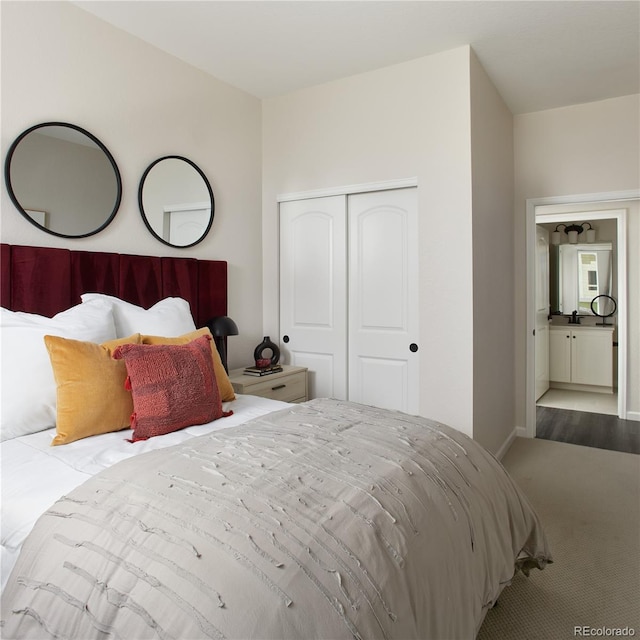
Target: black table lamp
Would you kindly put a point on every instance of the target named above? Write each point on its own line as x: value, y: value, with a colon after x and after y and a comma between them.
x: 220, y: 328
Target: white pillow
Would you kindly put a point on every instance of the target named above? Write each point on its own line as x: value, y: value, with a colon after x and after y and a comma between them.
x: 28, y: 389
x: 169, y: 318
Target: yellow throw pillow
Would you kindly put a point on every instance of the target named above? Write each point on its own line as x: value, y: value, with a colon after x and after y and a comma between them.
x: 224, y: 384
x: 91, y: 398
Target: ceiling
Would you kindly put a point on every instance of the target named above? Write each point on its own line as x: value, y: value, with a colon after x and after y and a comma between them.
x: 540, y: 54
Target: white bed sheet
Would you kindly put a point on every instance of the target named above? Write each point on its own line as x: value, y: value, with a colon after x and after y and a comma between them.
x: 34, y: 474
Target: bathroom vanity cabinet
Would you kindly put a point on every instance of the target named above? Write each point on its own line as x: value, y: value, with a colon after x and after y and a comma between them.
x: 581, y: 357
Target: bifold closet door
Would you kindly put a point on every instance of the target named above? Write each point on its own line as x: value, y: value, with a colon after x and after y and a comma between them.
x: 313, y: 292
x: 383, y: 299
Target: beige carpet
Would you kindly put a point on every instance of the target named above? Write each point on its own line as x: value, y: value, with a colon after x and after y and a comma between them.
x: 589, y: 503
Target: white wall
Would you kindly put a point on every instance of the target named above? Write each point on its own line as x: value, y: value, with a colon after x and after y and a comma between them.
x: 406, y: 120
x: 61, y: 63
x: 586, y: 148
x: 492, y: 224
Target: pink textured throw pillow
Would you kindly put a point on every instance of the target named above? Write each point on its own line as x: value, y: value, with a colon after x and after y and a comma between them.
x: 173, y: 386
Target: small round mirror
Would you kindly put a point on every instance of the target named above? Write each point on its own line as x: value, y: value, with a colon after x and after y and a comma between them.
x: 176, y: 201
x: 63, y: 180
x: 604, y: 307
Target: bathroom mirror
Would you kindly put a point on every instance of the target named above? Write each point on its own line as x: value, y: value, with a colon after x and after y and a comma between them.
x: 584, y: 272
x: 176, y: 201
x: 63, y: 180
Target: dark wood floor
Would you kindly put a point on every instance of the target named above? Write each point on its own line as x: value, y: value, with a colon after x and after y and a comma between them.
x: 588, y: 429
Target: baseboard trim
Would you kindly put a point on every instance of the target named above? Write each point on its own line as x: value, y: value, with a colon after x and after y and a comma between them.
x: 633, y: 415
x: 517, y: 432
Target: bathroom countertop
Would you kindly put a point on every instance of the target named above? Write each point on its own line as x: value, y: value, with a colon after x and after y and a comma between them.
x: 568, y: 325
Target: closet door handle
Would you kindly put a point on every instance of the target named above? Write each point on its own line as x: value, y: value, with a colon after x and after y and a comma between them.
x: 285, y: 339
x: 413, y: 347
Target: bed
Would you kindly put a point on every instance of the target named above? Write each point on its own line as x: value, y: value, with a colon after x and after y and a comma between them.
x: 326, y: 519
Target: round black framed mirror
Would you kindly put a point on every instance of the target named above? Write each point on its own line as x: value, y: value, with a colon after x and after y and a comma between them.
x: 604, y: 307
x: 63, y: 180
x: 176, y: 201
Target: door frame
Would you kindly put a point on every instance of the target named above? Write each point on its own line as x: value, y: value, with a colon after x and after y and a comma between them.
x: 542, y: 319
x: 346, y: 190
x: 610, y: 197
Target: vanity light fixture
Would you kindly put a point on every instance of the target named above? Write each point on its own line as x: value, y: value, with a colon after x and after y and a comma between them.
x: 573, y: 231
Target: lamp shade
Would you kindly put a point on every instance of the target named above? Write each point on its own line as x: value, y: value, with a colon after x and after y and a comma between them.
x: 591, y: 235
x: 573, y: 236
x: 555, y: 237
x: 222, y: 326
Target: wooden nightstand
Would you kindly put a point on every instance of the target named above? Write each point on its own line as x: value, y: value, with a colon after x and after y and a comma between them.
x: 289, y: 385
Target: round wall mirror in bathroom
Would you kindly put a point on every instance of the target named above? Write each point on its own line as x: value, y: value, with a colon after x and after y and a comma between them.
x: 604, y: 307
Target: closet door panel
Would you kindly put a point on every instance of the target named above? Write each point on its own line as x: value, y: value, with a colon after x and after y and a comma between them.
x: 313, y: 291
x: 383, y: 299
x: 383, y: 382
x: 321, y: 378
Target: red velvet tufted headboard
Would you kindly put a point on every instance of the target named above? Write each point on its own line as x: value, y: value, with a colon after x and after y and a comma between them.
x: 46, y: 281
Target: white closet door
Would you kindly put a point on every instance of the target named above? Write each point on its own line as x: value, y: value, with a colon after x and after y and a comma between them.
x: 313, y: 280
x: 383, y: 299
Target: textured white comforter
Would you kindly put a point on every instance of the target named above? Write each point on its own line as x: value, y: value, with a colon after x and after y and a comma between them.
x: 34, y: 474
x: 323, y: 520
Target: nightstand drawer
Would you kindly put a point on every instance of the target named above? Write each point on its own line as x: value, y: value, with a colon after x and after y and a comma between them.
x: 287, y: 388
x: 289, y: 385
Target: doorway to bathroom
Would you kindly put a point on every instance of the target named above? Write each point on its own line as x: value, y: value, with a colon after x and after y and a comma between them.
x: 576, y: 345
x: 563, y: 212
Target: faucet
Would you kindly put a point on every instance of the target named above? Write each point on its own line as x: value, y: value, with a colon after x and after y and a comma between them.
x: 575, y: 319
